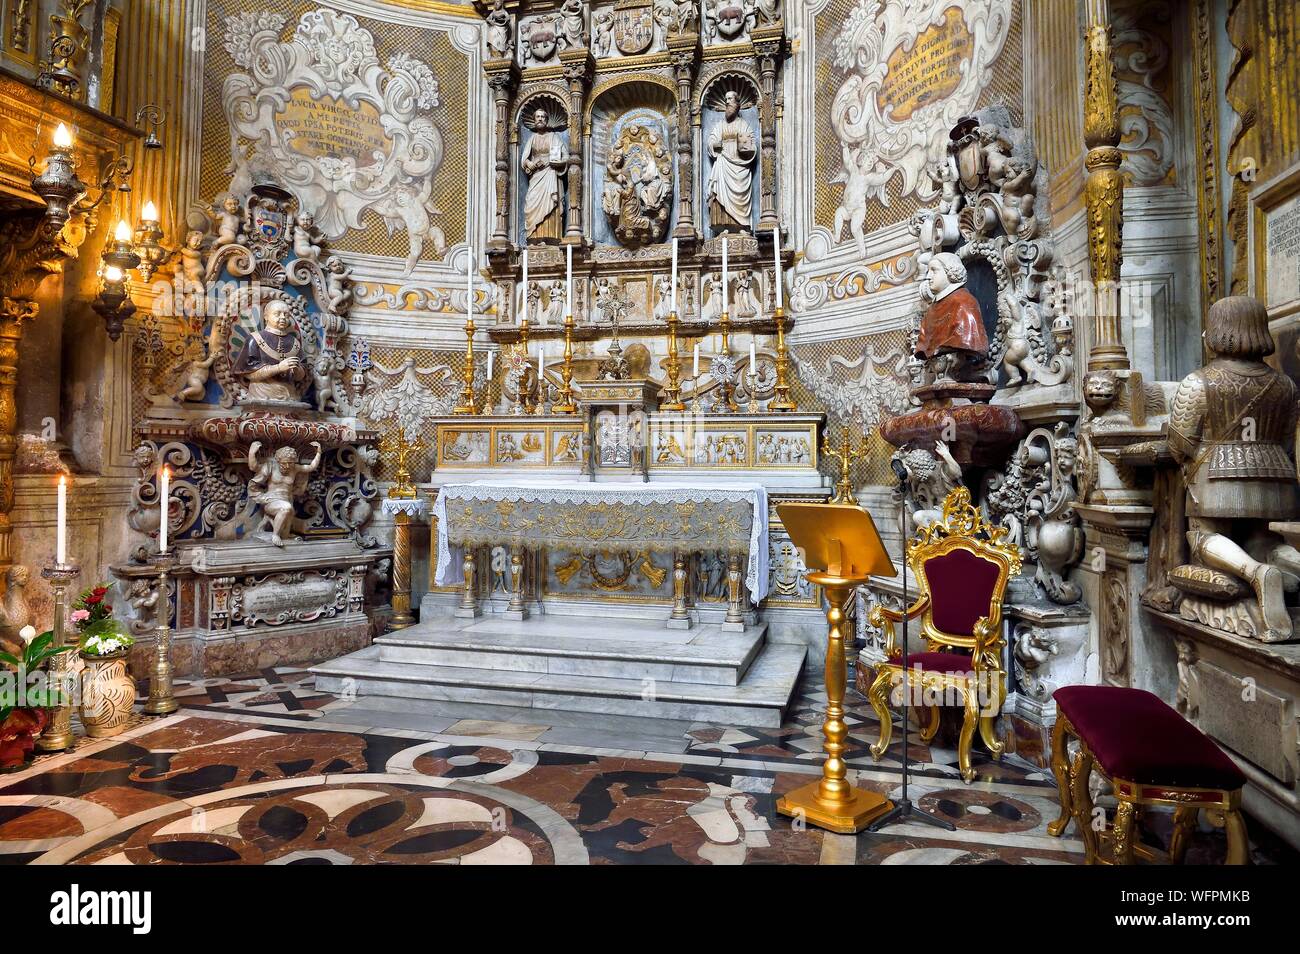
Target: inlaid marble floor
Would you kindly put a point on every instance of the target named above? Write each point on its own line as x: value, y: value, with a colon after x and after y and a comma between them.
x: 262, y: 769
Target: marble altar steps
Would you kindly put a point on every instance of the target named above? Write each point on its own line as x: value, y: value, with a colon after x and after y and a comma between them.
x: 595, y: 665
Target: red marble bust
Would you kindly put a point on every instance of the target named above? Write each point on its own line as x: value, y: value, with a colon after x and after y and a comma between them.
x: 952, y: 323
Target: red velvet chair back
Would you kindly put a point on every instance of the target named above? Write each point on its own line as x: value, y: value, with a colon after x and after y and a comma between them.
x: 963, y: 587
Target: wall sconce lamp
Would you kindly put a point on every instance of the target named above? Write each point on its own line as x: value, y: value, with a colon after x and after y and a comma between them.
x: 113, y: 303
x: 153, y: 114
x: 59, y: 184
x: 148, y: 242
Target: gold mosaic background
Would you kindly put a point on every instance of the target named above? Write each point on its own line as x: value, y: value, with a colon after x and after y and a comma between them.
x: 1006, y: 88
x: 432, y: 45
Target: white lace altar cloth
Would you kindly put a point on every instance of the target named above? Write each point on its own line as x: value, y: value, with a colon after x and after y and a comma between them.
x: 703, y: 517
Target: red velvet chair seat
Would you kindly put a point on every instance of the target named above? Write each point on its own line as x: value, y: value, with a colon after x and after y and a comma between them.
x: 941, y: 662
x: 1135, y: 736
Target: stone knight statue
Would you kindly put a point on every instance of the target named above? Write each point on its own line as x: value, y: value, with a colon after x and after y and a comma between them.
x: 545, y: 161
x: 1229, y: 427
x: 271, y: 360
x: 733, y: 147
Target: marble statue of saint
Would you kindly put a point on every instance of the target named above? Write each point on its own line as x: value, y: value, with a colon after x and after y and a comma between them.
x: 952, y: 341
x: 271, y: 361
x: 732, y: 146
x: 545, y: 161
x: 501, y: 30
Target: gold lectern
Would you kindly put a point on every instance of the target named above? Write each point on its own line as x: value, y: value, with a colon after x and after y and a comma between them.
x: 841, y: 550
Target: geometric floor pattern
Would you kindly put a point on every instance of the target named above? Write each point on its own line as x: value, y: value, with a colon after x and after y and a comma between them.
x: 263, y: 769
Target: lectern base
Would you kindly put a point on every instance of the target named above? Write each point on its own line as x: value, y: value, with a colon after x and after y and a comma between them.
x: 844, y: 818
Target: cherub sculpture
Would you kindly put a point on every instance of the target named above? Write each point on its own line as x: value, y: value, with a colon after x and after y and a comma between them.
x: 306, y: 239
x: 194, y: 380
x: 276, y: 482
x: 229, y: 222
x: 338, y: 281
x: 327, y: 391
x: 192, y: 259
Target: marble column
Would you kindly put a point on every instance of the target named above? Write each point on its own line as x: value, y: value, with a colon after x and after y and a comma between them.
x: 577, y: 73
x: 503, y: 79
x: 684, y: 50
x: 1103, y: 190
x: 768, y: 44
x: 403, y: 511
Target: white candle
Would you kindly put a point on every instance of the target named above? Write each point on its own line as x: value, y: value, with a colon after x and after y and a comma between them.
x: 61, y: 553
x: 695, y: 363
x: 725, y: 309
x: 164, y: 497
x: 776, y: 254
x: 524, y: 311
x: 753, y: 366
x: 491, y: 355
x: 469, y: 286
x: 541, y: 368
x: 673, y: 282
x: 568, y: 278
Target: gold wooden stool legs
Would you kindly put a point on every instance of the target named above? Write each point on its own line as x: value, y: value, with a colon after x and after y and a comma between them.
x: 833, y: 803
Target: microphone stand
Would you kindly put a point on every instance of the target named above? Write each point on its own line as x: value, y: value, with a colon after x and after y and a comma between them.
x: 903, y: 809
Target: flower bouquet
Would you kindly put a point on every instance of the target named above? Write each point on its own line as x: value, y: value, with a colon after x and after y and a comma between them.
x: 25, y: 694
x: 107, y: 691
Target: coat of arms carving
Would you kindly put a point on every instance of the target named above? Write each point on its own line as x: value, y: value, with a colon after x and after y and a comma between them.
x: 633, y: 26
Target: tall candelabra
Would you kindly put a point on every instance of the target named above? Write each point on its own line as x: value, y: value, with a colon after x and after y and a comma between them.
x: 58, y: 734
x: 466, y: 405
x: 673, y: 386
x: 846, y: 455
x: 723, y: 369
x: 396, y: 443
x: 781, y: 400
x: 566, y: 404
x: 161, y: 698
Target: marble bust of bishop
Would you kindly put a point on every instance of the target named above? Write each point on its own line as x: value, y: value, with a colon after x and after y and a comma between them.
x: 952, y: 339
x: 271, y: 359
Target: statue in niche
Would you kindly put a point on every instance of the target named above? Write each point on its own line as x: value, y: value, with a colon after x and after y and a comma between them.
x: 769, y: 11
x: 732, y: 145
x: 675, y: 16
x: 638, y: 190
x: 501, y: 31
x: 276, y: 482
x: 602, y: 42
x: 545, y: 162
x: 1229, y: 428
x: 271, y: 361
x: 952, y: 342
x: 573, y: 24
x: 554, y: 313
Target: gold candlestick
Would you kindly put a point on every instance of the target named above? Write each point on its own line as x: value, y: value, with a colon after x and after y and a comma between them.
x: 161, y: 698
x: 673, y: 387
x: 781, y: 401
x: 724, y: 326
x: 466, y: 405
x: 58, y: 734
x: 846, y: 456
x: 566, y: 405
x: 723, y: 371
x: 396, y: 443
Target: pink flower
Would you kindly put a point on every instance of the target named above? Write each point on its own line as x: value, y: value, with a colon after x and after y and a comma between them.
x: 80, y: 616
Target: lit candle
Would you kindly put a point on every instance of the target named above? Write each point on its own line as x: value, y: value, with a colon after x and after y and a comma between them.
x: 149, y: 213
x: 568, y: 278
x: 695, y: 363
x: 725, y: 309
x: 776, y: 254
x: 673, y: 286
x: 61, y: 550
x: 524, y: 310
x: 62, y: 138
x: 113, y: 274
x: 164, y: 498
x: 123, y: 231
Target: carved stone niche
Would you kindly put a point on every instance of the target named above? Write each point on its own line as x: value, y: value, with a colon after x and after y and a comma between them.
x: 1049, y: 648
x: 632, y: 180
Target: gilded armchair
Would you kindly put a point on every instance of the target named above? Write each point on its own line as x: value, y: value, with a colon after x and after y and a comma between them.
x: 961, y: 565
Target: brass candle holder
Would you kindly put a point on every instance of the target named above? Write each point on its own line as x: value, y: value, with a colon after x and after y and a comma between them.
x: 673, y: 387
x: 466, y: 405
x: 395, y: 442
x: 58, y: 733
x: 781, y: 400
x: 162, y: 700
x: 846, y: 455
x: 751, y: 379
x: 723, y: 369
x: 566, y: 404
